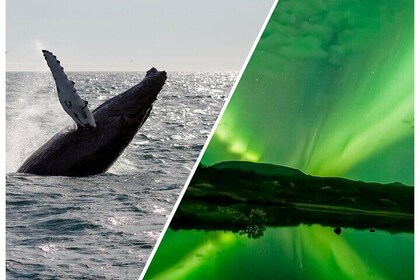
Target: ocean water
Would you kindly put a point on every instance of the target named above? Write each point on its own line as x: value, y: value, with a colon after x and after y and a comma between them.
x: 103, y: 226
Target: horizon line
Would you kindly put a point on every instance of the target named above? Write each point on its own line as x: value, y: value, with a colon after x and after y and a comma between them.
x: 133, y: 71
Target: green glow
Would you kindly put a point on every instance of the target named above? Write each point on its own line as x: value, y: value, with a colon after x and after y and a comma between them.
x: 329, y: 90
x: 302, y: 252
x: 344, y: 263
x: 193, y: 260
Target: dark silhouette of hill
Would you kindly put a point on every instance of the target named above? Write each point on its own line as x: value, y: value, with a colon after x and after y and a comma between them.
x: 223, y: 196
x: 259, y: 168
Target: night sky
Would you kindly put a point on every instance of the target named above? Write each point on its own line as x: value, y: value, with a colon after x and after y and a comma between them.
x: 329, y: 90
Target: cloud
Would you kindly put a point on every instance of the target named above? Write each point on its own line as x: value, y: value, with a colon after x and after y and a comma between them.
x: 323, y: 29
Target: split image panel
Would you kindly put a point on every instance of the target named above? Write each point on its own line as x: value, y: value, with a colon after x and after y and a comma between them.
x: 309, y: 173
x: 105, y: 226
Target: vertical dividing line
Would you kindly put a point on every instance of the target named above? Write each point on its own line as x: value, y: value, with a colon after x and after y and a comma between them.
x: 181, y: 195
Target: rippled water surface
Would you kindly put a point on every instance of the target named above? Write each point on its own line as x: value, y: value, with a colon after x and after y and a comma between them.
x: 301, y: 252
x: 103, y: 226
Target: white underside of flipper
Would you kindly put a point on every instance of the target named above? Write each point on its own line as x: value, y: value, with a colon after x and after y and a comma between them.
x: 75, y: 106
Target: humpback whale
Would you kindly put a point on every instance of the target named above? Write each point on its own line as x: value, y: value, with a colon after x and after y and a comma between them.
x: 101, y: 135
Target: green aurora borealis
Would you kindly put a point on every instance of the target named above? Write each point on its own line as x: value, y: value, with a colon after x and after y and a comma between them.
x: 328, y: 90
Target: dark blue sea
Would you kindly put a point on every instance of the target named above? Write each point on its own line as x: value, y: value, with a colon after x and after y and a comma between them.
x: 103, y: 226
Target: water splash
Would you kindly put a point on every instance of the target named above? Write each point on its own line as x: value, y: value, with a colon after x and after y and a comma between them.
x: 33, y: 115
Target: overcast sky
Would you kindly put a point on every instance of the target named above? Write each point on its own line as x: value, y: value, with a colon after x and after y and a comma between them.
x: 186, y: 35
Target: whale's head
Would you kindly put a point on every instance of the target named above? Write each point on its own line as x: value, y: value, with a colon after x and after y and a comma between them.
x: 122, y: 115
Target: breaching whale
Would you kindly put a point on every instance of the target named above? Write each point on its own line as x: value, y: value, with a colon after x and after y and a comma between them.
x: 94, y: 145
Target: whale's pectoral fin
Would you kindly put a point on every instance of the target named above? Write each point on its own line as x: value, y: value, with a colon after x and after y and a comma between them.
x: 74, y: 106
